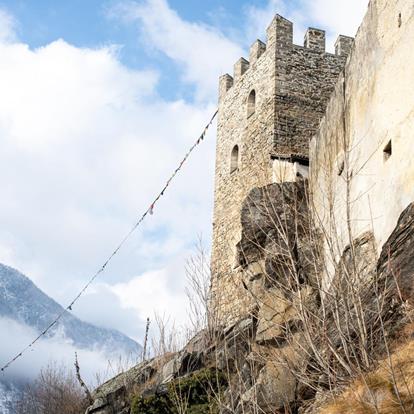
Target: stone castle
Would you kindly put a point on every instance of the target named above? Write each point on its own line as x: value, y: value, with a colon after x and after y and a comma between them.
x: 340, y: 120
x: 312, y: 264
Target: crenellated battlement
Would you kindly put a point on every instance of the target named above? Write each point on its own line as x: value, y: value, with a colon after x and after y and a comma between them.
x: 280, y: 43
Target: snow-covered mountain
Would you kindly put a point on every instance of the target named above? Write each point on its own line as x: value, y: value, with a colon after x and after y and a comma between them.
x: 23, y: 304
x: 23, y: 301
x: 9, y: 392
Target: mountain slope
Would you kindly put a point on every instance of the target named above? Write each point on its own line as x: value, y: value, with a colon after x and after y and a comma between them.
x: 23, y: 301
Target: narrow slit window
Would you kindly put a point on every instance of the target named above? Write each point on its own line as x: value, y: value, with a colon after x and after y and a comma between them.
x: 341, y: 167
x: 251, y: 103
x: 234, y: 161
x: 388, y: 151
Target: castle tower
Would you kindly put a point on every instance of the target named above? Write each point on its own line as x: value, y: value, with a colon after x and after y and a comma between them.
x: 268, y: 112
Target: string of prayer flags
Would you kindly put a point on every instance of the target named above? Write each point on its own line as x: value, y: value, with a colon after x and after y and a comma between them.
x: 102, y: 268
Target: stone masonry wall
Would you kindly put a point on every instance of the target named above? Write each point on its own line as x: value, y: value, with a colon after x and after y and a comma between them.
x: 292, y: 85
x: 304, y: 83
x: 361, y: 160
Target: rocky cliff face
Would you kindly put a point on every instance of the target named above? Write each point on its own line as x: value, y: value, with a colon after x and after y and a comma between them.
x: 273, y: 256
x: 301, y: 340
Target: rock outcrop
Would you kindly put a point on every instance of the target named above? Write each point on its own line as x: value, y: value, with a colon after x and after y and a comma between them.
x: 252, y: 357
x: 396, y: 257
x: 296, y: 335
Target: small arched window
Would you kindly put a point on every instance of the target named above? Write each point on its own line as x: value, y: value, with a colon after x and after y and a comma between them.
x: 234, y: 161
x: 251, y: 103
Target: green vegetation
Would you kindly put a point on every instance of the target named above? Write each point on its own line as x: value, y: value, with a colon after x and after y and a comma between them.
x: 196, y: 392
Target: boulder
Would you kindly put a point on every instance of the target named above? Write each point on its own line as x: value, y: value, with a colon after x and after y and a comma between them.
x: 278, y: 315
x: 273, y: 390
x: 272, y: 215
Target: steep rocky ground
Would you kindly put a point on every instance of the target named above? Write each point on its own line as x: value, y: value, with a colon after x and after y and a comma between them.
x: 301, y: 342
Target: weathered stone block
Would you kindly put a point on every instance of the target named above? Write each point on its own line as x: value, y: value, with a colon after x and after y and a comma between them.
x: 273, y: 390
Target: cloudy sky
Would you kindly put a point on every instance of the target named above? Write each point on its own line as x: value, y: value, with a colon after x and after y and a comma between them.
x: 99, y: 100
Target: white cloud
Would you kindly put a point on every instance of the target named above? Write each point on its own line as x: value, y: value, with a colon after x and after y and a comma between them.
x: 83, y: 153
x: 340, y: 16
x: 44, y: 86
x: 86, y: 143
x: 6, y: 253
x: 8, y: 26
x: 202, y: 52
x: 101, y: 306
x: 53, y: 350
x: 155, y: 292
x: 334, y: 16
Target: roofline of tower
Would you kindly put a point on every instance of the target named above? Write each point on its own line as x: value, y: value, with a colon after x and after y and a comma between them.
x: 302, y: 159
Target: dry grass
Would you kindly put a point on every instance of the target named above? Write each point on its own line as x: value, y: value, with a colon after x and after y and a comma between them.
x: 387, y: 390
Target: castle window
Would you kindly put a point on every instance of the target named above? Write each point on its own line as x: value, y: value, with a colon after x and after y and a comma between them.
x: 251, y: 103
x: 387, y: 151
x: 234, y: 161
x: 341, y: 167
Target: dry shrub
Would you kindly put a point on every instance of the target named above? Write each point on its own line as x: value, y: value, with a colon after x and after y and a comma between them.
x: 169, y: 338
x: 338, y: 320
x: 198, y: 277
x: 55, y: 390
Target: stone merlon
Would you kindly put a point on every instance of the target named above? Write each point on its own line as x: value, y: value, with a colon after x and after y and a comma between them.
x: 343, y: 45
x: 225, y: 83
x: 280, y: 33
x: 315, y: 39
x: 240, y: 68
x: 256, y: 50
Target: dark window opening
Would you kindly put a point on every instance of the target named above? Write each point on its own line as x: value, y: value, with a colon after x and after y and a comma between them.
x: 387, y: 151
x: 251, y: 103
x: 341, y: 167
x: 234, y: 161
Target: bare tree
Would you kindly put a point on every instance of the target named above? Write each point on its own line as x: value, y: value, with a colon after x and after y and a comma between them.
x: 55, y: 390
x: 202, y: 316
